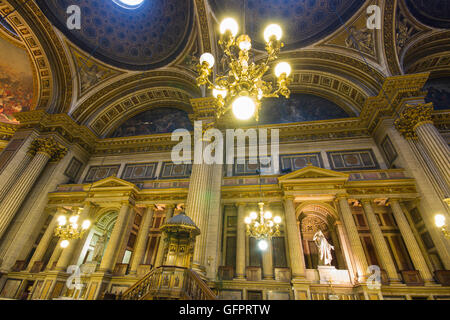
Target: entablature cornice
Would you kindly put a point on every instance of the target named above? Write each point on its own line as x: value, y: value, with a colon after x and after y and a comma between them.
x: 59, y: 123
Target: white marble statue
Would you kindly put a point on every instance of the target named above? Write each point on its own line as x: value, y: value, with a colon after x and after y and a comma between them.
x: 98, y: 250
x: 324, y: 248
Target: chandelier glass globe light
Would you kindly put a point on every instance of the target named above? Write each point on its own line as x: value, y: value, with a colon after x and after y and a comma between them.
x: 262, y: 226
x: 69, y: 228
x: 242, y: 87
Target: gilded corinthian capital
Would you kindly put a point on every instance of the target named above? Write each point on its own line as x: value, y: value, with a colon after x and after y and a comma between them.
x: 412, y: 117
x: 48, y: 146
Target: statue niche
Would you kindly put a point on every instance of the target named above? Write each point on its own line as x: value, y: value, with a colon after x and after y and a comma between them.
x: 318, y: 246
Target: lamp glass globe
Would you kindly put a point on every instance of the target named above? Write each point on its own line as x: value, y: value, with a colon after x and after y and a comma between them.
x: 439, y: 220
x: 64, y: 243
x: 283, y: 67
x: 86, y: 224
x: 229, y: 24
x: 62, y: 220
x: 272, y: 30
x: 208, y: 58
x: 243, y: 108
x: 263, y: 245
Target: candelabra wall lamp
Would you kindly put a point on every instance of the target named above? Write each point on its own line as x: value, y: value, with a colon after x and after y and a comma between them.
x: 263, y: 226
x: 69, y: 228
x: 439, y: 220
x: 242, y: 87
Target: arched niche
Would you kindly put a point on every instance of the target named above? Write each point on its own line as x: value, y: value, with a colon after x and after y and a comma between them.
x: 314, y: 217
x: 98, y: 237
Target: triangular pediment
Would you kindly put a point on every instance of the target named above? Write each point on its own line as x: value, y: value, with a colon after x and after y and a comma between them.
x: 113, y: 182
x: 310, y: 173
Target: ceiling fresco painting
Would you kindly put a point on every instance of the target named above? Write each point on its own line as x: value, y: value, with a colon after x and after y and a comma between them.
x: 299, y: 108
x: 438, y: 93
x: 303, y: 21
x: 154, y: 121
x: 16, y: 81
x: 147, y: 37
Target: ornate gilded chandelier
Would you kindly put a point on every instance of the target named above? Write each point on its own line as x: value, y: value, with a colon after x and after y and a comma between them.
x: 69, y: 229
x: 242, y: 88
x: 262, y: 226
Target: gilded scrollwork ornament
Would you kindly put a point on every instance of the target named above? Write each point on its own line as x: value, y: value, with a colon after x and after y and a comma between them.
x: 413, y: 116
x: 48, y: 146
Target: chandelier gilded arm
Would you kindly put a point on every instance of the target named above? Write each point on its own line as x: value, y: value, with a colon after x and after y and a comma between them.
x: 243, y: 87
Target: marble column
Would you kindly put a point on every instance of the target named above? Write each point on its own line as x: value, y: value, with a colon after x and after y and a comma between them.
x: 436, y: 147
x: 16, y: 173
x: 240, y: 242
x: 415, y: 122
x: 347, y: 251
x: 296, y: 256
x: 380, y: 243
x: 142, y: 239
x: 267, y: 261
x: 44, y: 242
x: 410, y: 241
x: 67, y: 254
x: 354, y: 239
x: 55, y: 255
x: 170, y: 208
x: 197, y: 205
x: 46, y: 149
x: 113, y: 245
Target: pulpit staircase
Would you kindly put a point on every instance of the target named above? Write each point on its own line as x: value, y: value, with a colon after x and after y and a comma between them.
x: 169, y: 283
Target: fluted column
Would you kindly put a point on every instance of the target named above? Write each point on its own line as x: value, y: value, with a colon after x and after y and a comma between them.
x: 113, y: 245
x: 55, y: 255
x: 353, y: 236
x: 347, y: 251
x: 380, y: 243
x: 410, y: 241
x: 268, y: 262
x: 296, y: 256
x: 45, y: 241
x: 46, y: 149
x: 67, y: 254
x: 240, y: 242
x: 170, y: 208
x: 16, y: 174
x: 415, y: 122
x: 197, y: 205
x: 436, y: 147
x: 141, y: 242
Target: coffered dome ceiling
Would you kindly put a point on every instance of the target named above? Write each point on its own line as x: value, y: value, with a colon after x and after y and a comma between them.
x: 303, y: 21
x: 146, y: 37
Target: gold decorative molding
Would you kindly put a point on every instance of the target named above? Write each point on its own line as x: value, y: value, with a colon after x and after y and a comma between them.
x: 413, y: 116
x: 49, y: 147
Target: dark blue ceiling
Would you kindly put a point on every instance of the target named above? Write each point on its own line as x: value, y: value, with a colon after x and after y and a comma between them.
x: 154, y: 121
x: 303, y: 21
x: 145, y: 38
x: 299, y: 108
x: 435, y: 13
